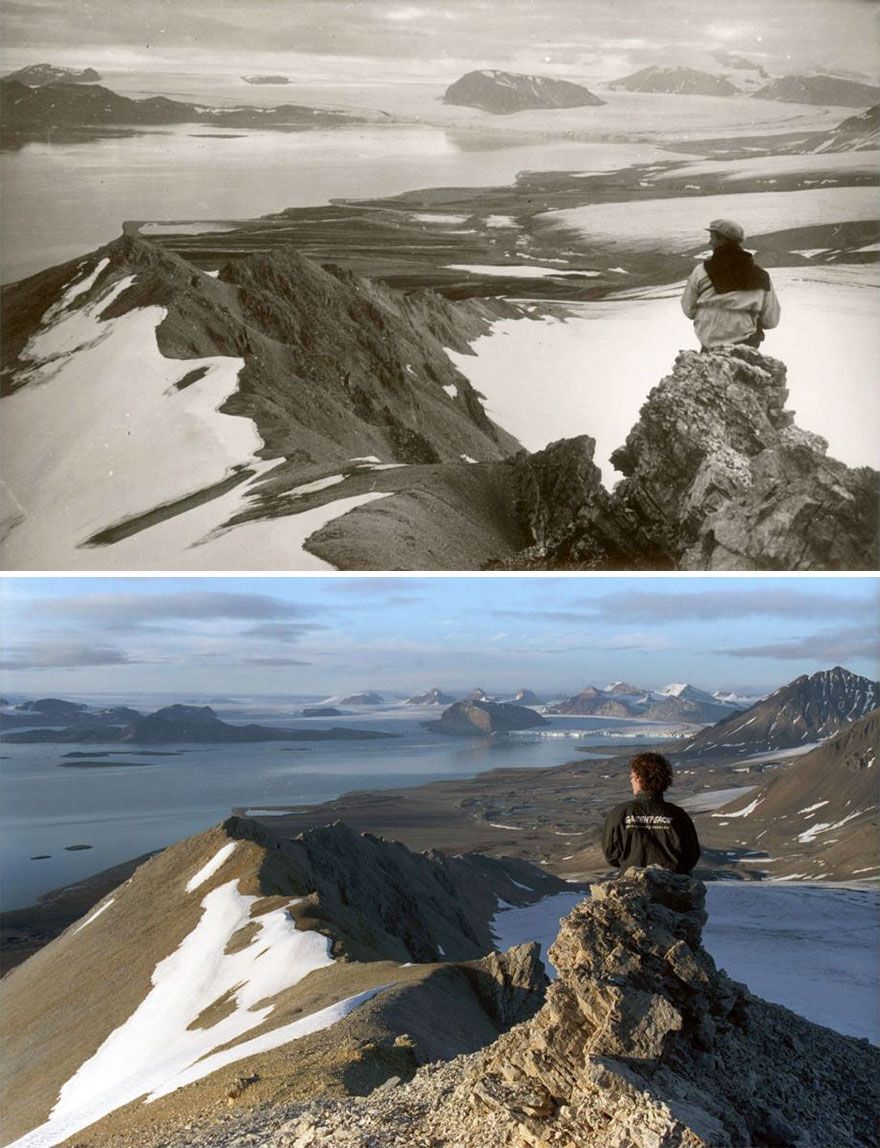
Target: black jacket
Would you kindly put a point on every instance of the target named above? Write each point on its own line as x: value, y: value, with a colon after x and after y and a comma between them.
x: 650, y: 831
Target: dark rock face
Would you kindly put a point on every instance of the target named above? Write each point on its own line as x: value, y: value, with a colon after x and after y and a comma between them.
x: 370, y: 698
x: 510, y: 985
x: 681, y: 81
x: 506, y: 92
x: 381, y: 899
x: 321, y: 711
x: 806, y: 710
x: 643, y: 1041
x: 829, y: 90
x: 480, y: 719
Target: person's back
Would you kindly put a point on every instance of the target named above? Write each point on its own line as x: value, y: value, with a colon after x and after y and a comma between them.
x: 648, y: 830
x: 729, y: 297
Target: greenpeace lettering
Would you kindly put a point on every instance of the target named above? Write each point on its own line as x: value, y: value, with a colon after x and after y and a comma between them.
x: 647, y: 821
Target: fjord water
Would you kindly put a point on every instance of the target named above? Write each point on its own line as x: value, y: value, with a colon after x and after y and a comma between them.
x: 164, y: 794
x: 196, y: 172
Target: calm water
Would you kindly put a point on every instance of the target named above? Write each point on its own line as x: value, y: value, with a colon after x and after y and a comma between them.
x: 127, y: 810
x: 61, y: 200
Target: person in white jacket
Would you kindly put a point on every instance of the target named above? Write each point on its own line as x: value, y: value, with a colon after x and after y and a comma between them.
x: 729, y: 297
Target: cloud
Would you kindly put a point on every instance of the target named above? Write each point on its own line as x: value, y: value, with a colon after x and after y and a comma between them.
x: 833, y: 645
x: 132, y: 609
x: 275, y: 662
x: 62, y: 655
x: 283, y: 631
x: 715, y: 605
x: 391, y: 591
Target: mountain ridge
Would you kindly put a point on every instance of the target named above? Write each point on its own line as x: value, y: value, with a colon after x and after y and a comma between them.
x: 810, y: 708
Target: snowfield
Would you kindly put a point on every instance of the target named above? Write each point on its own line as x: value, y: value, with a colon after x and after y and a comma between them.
x: 161, y: 1048
x: 109, y: 437
x: 678, y: 223
x: 550, y: 379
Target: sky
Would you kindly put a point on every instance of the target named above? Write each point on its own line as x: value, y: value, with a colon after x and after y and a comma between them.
x: 322, y: 40
x: 322, y: 635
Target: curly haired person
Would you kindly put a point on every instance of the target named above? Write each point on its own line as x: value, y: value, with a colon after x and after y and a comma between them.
x: 648, y: 830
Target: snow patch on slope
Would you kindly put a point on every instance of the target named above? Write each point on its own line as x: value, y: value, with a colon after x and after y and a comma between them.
x: 159, y: 1048
x: 100, y: 433
x: 210, y: 868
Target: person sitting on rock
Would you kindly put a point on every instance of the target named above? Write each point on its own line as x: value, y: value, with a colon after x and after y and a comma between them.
x: 729, y: 297
x: 649, y: 830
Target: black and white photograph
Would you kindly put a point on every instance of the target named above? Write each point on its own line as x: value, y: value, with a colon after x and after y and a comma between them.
x: 485, y: 284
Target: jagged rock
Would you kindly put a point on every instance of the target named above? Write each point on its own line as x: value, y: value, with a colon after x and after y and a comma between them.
x: 643, y: 1041
x: 510, y: 985
x: 716, y: 477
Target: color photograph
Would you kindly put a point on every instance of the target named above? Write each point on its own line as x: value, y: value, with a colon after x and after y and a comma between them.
x: 485, y: 284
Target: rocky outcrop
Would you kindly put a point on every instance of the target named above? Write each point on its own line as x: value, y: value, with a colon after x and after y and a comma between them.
x: 505, y: 92
x: 510, y: 985
x: 642, y: 1042
x: 717, y: 477
x: 480, y: 719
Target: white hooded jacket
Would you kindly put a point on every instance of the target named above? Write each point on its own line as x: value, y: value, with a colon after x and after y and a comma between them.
x: 729, y: 318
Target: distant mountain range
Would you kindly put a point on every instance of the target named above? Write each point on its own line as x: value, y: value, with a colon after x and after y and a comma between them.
x: 178, y: 723
x: 503, y: 93
x: 432, y: 697
x: 807, y: 710
x: 816, y: 818
x: 64, y: 106
x: 832, y: 91
x: 678, y: 702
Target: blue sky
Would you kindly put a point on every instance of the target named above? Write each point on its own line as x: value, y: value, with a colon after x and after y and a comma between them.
x: 196, y: 636
x: 437, y: 39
